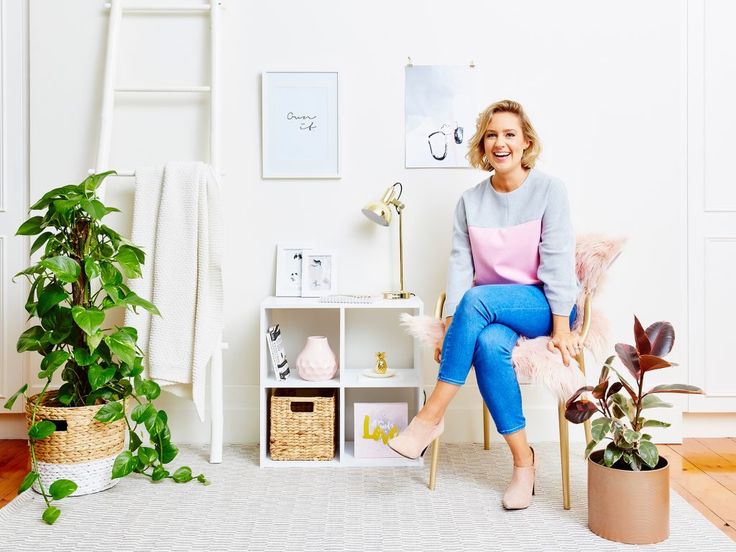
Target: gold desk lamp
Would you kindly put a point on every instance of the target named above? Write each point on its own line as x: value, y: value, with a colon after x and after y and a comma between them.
x: 380, y: 213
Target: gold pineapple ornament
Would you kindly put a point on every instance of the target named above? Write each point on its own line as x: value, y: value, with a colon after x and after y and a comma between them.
x: 381, y: 365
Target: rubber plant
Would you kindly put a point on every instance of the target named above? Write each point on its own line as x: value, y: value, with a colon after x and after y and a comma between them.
x: 621, y: 403
x: 76, y: 282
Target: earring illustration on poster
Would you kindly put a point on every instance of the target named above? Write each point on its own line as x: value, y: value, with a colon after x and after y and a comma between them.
x: 440, y: 111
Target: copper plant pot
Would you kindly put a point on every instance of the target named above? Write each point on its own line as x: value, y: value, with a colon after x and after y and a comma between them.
x: 628, y: 506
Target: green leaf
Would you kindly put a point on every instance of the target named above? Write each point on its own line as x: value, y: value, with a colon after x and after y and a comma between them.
x: 656, y: 423
x: 128, y: 371
x: 134, y: 440
x: 648, y: 453
x: 159, y: 473
x: 168, y: 452
x: 143, y: 412
x: 93, y: 208
x: 600, y: 430
x: 28, y: 481
x: 41, y: 430
x: 39, y: 241
x: 89, y: 320
x: 183, y: 474
x: 631, y: 436
x: 653, y: 401
x: 676, y: 388
x: 611, y: 455
x: 124, y: 464
x: 122, y: 345
x: 51, y: 514
x: 128, y: 261
x: 147, y: 456
x: 61, y: 488
x: 83, y: 357
x: 93, y: 181
x: 65, y: 268
x: 51, y: 362
x: 11, y: 401
x: 110, y: 412
x: 110, y: 275
x: 99, y: 376
x: 94, y: 340
x: 52, y: 295
x: 31, y: 227
x: 65, y: 395
x: 136, y: 301
x: 91, y: 269
x: 149, y: 389
x: 203, y: 480
x: 30, y: 340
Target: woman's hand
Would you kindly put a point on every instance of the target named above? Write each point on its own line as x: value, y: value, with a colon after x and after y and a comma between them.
x: 438, y: 350
x: 569, y: 343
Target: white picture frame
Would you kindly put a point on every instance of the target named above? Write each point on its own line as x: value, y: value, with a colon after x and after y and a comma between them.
x: 289, y: 269
x: 319, y: 273
x: 300, y: 124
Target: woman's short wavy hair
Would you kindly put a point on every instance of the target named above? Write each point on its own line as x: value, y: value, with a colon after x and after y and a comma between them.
x: 476, y: 151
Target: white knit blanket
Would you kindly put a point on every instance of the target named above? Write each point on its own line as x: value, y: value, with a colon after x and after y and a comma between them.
x: 177, y: 221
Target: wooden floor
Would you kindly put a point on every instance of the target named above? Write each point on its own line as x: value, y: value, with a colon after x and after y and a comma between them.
x: 703, y: 471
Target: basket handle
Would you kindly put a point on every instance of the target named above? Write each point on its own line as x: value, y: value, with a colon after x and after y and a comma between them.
x: 301, y: 406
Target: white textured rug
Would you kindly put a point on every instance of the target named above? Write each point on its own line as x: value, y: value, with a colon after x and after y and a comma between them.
x: 325, y: 509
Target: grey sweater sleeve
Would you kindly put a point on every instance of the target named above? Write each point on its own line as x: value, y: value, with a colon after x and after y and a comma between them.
x: 460, y: 272
x: 557, y: 252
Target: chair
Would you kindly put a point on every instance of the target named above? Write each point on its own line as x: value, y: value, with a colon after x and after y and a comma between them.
x: 594, y: 256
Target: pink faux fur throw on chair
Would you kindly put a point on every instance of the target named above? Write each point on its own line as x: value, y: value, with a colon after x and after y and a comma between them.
x: 532, y: 360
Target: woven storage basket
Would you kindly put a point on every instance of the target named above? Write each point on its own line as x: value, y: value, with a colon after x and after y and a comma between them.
x: 84, y: 452
x: 302, y: 424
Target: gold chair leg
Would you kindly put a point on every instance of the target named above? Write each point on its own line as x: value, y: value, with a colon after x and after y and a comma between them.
x: 564, y: 456
x: 486, y: 427
x: 433, y: 466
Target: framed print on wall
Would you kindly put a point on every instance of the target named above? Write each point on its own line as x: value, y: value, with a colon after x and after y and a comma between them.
x: 300, y: 131
x: 319, y: 273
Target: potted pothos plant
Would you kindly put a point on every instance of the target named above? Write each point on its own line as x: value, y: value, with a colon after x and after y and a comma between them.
x: 77, y: 432
x: 627, y: 476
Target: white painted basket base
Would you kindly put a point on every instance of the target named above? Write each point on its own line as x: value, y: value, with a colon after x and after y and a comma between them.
x: 90, y: 477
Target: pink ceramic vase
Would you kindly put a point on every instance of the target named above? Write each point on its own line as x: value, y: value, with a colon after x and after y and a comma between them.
x: 316, y: 362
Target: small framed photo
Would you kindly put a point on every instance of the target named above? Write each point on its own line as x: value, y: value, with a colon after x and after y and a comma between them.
x: 289, y: 270
x: 319, y: 273
x: 300, y: 132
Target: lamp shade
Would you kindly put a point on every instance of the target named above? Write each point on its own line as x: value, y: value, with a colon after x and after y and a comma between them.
x: 378, y: 212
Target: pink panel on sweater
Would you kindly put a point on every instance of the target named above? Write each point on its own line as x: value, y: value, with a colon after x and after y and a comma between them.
x: 506, y: 255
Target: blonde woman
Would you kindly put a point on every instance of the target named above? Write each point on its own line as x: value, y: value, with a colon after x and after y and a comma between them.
x: 511, y: 274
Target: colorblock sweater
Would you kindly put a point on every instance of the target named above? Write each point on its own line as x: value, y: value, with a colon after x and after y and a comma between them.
x: 520, y: 237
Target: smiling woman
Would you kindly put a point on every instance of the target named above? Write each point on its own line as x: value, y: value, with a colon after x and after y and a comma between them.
x: 511, y: 274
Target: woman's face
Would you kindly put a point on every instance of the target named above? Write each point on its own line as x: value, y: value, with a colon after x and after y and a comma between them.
x: 504, y: 142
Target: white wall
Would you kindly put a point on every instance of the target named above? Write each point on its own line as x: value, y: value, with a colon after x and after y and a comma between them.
x: 603, y: 83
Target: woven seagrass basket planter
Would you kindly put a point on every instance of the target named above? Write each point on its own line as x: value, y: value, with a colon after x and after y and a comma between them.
x: 81, y: 449
x: 302, y: 424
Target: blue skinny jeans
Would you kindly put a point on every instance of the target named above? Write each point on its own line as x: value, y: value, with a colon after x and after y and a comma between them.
x: 484, y: 330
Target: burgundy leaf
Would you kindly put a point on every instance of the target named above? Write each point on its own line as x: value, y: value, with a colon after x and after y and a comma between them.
x: 615, y: 388
x: 629, y: 357
x: 580, y: 411
x: 600, y: 390
x: 651, y: 362
x: 642, y: 341
x: 662, y: 337
x: 577, y: 394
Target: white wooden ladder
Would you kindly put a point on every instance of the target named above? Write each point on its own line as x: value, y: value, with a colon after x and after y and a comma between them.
x: 110, y: 90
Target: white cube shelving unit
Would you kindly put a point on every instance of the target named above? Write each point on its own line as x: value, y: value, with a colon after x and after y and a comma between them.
x: 355, y: 332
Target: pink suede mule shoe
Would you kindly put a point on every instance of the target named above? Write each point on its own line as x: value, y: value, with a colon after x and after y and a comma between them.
x: 519, y: 493
x: 414, y: 440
